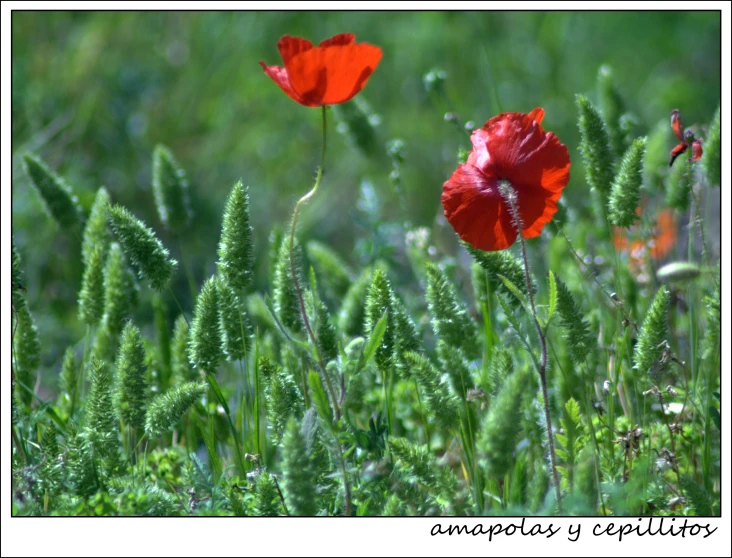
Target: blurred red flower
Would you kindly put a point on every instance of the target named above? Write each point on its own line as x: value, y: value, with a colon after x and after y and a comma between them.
x: 663, y: 236
x: 329, y: 74
x: 510, y: 147
x: 662, y: 239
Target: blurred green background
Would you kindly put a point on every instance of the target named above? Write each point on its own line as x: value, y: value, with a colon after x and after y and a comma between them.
x: 94, y: 92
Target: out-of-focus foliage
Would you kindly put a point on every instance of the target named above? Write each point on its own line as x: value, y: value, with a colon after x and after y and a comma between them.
x: 110, y: 86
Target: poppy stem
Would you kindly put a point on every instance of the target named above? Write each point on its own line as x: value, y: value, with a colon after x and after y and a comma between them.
x: 296, y: 281
x: 542, y: 375
x: 510, y: 197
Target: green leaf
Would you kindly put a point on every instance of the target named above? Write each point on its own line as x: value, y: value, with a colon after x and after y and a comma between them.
x: 217, y: 390
x: 320, y: 400
x: 374, y: 341
x: 716, y: 417
x: 520, y: 296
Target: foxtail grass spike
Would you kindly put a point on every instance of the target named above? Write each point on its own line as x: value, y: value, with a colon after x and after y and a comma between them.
x: 131, y: 389
x: 120, y: 289
x: 142, y: 247
x: 325, y: 331
x: 233, y: 322
x: 379, y: 302
x: 298, y: 478
x: 283, y: 397
x: 96, y: 231
x: 18, y: 286
x: 266, y: 497
x: 79, y: 464
x: 166, y: 410
x: 500, y: 368
x: 181, y: 369
x: 440, y: 402
x: 595, y: 147
x: 712, y: 158
x: 91, y: 296
x: 60, y: 202
x: 286, y: 302
x: 236, y: 260
x: 170, y: 187
x: 506, y: 264
x: 580, y: 340
x: 678, y: 187
x: 68, y: 381
x: 450, y: 319
x: 26, y: 353
x: 101, y: 426
x: 655, y: 164
x: 612, y: 108
x: 653, y: 333
x: 625, y: 193
x: 351, y: 314
x: 406, y: 338
x: 500, y: 428
x: 204, y: 345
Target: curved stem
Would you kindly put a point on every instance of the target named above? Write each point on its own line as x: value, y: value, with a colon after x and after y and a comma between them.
x: 296, y: 281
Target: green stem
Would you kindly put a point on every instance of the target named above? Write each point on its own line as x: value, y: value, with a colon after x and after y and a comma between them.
x: 215, y: 388
x: 509, y: 195
x: 182, y: 313
x: 82, y: 377
x: 244, y: 374
x: 296, y: 281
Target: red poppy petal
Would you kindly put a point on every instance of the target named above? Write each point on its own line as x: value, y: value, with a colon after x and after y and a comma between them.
x: 509, y: 137
x: 676, y: 151
x: 676, y: 125
x: 536, y: 210
x: 479, y: 156
x: 539, y: 183
x: 339, y: 40
x: 279, y: 76
x: 290, y: 47
x: 476, y: 210
x: 696, y: 150
x: 334, y: 74
x: 537, y: 115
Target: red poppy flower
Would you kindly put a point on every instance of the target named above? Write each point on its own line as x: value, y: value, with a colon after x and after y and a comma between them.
x: 510, y: 147
x: 331, y: 73
x: 679, y: 133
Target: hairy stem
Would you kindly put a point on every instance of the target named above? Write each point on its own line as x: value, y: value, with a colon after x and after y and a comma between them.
x: 296, y: 281
x: 509, y: 195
